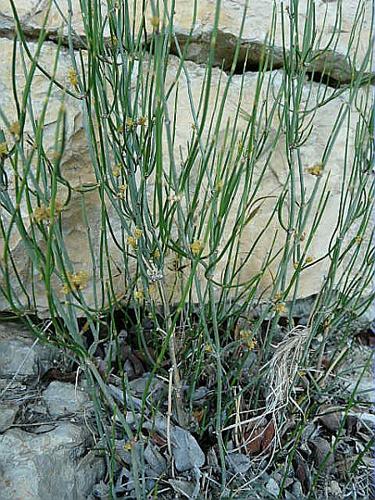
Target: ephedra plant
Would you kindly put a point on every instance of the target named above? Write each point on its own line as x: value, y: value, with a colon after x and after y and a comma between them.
x: 205, y: 201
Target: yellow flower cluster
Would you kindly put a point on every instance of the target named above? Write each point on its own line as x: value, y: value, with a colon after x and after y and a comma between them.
x: 279, y: 308
x: 116, y: 171
x: 76, y: 282
x: 248, y: 340
x: 72, y: 77
x: 153, y: 291
x: 196, y: 247
x: 139, y: 295
x: 132, y: 242
x: 316, y: 169
x: 131, y: 123
x: 156, y: 254
x: 278, y: 296
x: 15, y: 128
x: 128, y: 446
x: 3, y: 149
x: 219, y: 186
x: 155, y: 21
x: 121, y: 191
x: 43, y: 213
x: 174, y: 198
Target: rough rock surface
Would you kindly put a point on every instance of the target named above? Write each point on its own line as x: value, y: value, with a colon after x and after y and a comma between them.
x: 65, y: 399
x: 42, y: 454
x: 7, y: 416
x: 77, y: 167
x: 253, y: 34
x: 56, y: 464
x: 186, y: 451
x: 21, y: 355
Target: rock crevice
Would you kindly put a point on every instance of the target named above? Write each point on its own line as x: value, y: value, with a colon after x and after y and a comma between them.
x: 236, y: 50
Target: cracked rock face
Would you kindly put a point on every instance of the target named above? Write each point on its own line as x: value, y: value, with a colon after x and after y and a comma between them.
x: 55, y: 464
x: 77, y: 168
x: 330, y: 28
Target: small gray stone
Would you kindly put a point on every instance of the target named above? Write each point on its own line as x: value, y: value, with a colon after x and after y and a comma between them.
x: 63, y: 398
x: 7, y: 416
x: 186, y: 451
x: 212, y: 459
x: 331, y: 421
x: 279, y: 478
x: 185, y: 488
x: 46, y: 466
x: 155, y: 459
x: 289, y: 496
x: 151, y: 477
x: 138, y: 387
x: 272, y: 487
x: 336, y: 489
x: 368, y: 419
x: 200, y: 394
x: 297, y: 490
x: 365, y: 390
x: 132, y: 401
x: 23, y: 358
x: 12, y: 389
x: 321, y: 452
x: 239, y: 463
x: 308, y: 432
x: 101, y: 490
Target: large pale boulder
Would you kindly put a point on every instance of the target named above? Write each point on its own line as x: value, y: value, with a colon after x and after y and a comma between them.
x: 81, y: 217
x: 239, y: 19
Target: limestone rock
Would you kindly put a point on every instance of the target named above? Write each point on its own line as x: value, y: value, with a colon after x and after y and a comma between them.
x: 257, y: 25
x: 82, y: 233
x: 52, y: 465
x: 186, y: 451
x: 65, y: 399
x: 82, y: 237
x: 367, y: 419
x: 155, y: 459
x: 7, y: 416
x: 330, y: 27
x: 273, y: 488
x: 76, y: 168
x: 239, y: 462
x: 21, y: 355
x: 358, y: 383
x: 184, y: 489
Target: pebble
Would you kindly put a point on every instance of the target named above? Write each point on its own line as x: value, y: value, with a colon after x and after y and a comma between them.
x: 272, y: 487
